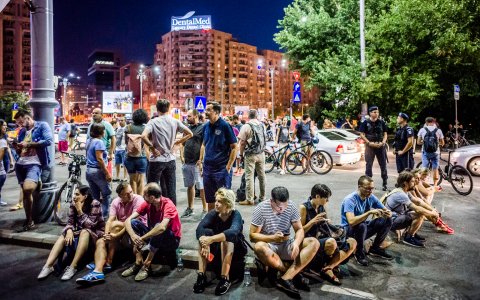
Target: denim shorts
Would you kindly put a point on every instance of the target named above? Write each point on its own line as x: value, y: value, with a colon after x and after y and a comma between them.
x: 136, y: 165
x: 191, y: 176
x: 430, y: 157
x: 119, y: 157
x: 28, y: 172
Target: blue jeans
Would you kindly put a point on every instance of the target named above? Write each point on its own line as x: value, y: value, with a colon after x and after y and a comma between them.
x: 2, y: 182
x: 163, y: 173
x: 166, y: 242
x: 365, y: 230
x: 98, y: 184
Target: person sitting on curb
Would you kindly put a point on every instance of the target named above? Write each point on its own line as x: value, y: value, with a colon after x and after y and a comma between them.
x: 121, y: 208
x: 220, y: 238
x: 270, y: 231
x: 422, y: 189
x: 85, y: 226
x: 314, y: 220
x: 408, y: 211
x: 355, y: 210
x: 162, y: 234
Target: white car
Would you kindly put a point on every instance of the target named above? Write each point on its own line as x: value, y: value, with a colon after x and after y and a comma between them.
x: 468, y: 157
x: 340, y: 144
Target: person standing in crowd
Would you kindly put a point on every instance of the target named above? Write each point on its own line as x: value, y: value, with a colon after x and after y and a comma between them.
x: 84, y: 227
x: 282, y: 139
x: 3, y: 160
x: 162, y: 234
x: 431, y: 137
x: 220, y: 241
x: 403, y: 145
x: 190, y: 157
x: 72, y: 135
x: 163, y: 131
x: 20, y: 131
x: 252, y: 145
x: 217, y: 154
x: 374, y: 132
x: 270, y: 231
x: 238, y: 126
x: 136, y: 153
x: 304, y: 132
x: 97, y: 174
x: 63, y: 134
x: 33, y: 146
x: 108, y: 137
x: 355, y: 210
x: 120, y: 149
x: 115, y: 236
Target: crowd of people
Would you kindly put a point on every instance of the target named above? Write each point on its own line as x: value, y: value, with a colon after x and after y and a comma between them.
x: 292, y: 244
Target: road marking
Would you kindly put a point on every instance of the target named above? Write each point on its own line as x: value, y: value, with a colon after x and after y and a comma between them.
x: 347, y: 292
x: 177, y: 284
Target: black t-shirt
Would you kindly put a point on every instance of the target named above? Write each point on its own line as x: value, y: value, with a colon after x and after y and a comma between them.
x: 191, y: 152
x: 303, y: 131
x: 373, y: 130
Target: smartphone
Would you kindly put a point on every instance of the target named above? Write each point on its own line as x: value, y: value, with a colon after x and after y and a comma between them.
x: 286, y: 233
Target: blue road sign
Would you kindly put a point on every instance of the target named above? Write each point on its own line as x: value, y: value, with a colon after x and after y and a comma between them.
x: 200, y: 103
x: 15, y: 106
x: 297, y: 97
x: 456, y: 88
x: 296, y: 87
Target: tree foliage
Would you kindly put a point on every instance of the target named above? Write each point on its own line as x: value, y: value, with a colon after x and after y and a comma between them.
x: 6, y: 103
x: 415, y: 51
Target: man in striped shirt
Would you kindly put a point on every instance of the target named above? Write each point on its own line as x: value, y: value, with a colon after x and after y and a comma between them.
x: 270, y: 231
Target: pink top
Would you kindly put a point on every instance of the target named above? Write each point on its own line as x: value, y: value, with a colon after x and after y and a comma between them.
x: 167, y: 210
x: 124, y: 210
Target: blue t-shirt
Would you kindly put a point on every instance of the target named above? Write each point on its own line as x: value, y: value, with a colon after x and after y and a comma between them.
x: 94, y: 145
x: 353, y: 203
x: 62, y: 132
x: 217, y: 139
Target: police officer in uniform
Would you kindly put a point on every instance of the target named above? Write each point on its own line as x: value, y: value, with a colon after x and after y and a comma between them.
x: 403, y: 145
x: 374, y: 132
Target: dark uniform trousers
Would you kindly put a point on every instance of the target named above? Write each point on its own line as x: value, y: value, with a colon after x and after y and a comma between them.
x: 405, y: 161
x: 381, y: 155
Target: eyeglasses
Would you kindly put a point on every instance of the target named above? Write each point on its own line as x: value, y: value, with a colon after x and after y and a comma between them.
x: 368, y: 188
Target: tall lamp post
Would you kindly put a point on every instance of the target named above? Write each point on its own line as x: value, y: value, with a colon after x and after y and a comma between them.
x: 65, y: 84
x: 141, y: 76
x: 272, y: 74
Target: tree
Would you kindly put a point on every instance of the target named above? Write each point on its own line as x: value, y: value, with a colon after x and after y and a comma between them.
x: 6, y: 103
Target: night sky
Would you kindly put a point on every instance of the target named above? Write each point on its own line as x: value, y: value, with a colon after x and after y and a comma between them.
x: 135, y: 26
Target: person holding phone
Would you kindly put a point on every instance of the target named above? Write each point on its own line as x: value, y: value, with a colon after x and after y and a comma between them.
x: 333, y: 249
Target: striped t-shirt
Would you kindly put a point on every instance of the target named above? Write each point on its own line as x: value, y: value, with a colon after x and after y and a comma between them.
x: 270, y: 222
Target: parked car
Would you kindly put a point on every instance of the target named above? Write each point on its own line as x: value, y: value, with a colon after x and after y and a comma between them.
x: 343, y: 147
x: 350, y: 134
x: 468, y: 157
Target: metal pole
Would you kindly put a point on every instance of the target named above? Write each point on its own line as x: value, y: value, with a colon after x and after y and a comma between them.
x: 141, y: 89
x: 273, y: 103
x: 43, y: 100
x: 456, y: 125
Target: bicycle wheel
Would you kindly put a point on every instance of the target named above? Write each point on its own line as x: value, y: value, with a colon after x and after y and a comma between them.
x: 63, y: 200
x: 296, y: 163
x: 269, y: 162
x: 321, y: 162
x: 461, y: 180
x: 429, y: 178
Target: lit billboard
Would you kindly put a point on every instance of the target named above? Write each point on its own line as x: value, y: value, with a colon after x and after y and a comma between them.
x: 117, y: 103
x: 191, y: 22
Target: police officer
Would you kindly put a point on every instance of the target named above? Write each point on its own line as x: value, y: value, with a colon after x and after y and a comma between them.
x: 374, y: 132
x: 403, y: 145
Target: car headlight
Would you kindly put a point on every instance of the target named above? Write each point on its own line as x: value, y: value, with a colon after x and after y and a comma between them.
x: 456, y: 154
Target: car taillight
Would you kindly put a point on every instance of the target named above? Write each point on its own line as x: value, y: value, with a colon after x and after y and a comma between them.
x: 360, y: 141
x: 339, y: 149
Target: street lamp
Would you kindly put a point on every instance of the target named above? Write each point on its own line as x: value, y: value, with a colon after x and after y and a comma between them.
x: 272, y: 73
x: 141, y: 76
x: 65, y: 84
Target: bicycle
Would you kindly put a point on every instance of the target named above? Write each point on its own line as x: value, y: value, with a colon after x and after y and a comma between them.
x: 64, y: 197
x: 451, y: 139
x: 458, y: 176
x: 320, y: 161
x: 293, y: 162
x: 77, y: 144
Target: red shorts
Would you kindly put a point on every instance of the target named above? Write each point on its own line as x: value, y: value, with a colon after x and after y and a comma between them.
x: 63, y: 146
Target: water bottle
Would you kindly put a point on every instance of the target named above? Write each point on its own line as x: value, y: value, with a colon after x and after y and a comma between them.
x: 179, y: 261
x: 247, y: 278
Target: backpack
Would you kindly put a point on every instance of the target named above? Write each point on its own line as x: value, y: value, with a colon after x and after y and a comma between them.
x: 73, y: 130
x: 134, y: 144
x: 257, y: 145
x: 430, y: 141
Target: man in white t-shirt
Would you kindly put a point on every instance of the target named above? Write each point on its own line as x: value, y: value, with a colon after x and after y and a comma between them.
x: 431, y: 147
x: 270, y: 231
x: 120, y: 149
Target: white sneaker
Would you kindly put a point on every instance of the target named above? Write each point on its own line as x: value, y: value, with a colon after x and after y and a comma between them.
x: 69, y: 272
x: 282, y: 172
x: 45, y: 272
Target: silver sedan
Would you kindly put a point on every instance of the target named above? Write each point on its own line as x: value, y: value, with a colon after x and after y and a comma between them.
x: 468, y: 157
x: 343, y: 148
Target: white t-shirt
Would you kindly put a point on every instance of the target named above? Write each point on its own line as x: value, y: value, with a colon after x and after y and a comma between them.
x: 422, y: 132
x: 3, y: 145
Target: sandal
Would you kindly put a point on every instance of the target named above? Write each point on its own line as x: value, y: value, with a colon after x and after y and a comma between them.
x: 330, y: 278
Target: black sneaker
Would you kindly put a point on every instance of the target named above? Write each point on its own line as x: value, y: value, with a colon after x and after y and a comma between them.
x: 272, y: 275
x: 288, y: 287
x: 301, y: 283
x: 380, y: 253
x: 384, y: 187
x: 222, y: 286
x: 412, y: 241
x: 361, y: 260
x: 419, y: 237
x: 187, y: 213
x: 199, y: 286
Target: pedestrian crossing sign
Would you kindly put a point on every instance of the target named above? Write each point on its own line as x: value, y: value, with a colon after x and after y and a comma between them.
x: 200, y: 103
x: 297, y: 97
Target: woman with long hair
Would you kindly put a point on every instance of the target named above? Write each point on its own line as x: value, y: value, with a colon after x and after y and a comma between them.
x: 3, y: 152
x: 85, y: 225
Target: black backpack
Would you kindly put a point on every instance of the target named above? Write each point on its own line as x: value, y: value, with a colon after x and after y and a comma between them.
x: 430, y: 141
x: 257, y: 145
x: 73, y: 130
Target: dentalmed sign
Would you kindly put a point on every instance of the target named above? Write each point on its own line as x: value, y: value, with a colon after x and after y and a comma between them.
x: 191, y: 22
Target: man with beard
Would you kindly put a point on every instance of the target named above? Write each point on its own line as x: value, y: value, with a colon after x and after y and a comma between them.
x: 190, y: 157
